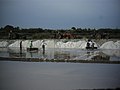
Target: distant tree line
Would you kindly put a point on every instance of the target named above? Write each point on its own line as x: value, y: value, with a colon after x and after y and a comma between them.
x: 10, y: 32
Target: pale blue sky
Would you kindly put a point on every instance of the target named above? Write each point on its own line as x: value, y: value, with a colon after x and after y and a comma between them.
x: 60, y: 13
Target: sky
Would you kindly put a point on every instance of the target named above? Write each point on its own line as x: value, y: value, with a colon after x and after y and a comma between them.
x: 60, y: 14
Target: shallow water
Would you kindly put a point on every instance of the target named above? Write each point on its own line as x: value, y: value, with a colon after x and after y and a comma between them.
x: 63, y: 53
x: 57, y: 76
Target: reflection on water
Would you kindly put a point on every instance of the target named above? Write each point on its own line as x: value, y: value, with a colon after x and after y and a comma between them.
x: 68, y: 54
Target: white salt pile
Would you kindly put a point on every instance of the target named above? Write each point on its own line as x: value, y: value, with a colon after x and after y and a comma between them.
x: 49, y: 43
x: 70, y: 44
x: 37, y: 44
x: 117, y: 44
x: 81, y: 44
x: 26, y: 43
x: 111, y: 45
x: 52, y: 44
x: 3, y: 44
x: 16, y: 44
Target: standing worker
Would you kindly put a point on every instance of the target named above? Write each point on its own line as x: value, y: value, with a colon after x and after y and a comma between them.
x: 93, y: 45
x: 20, y: 48
x: 43, y: 46
x: 31, y: 44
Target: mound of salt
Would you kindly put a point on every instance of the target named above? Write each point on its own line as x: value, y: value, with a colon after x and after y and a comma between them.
x: 16, y: 44
x: 111, y: 45
x: 3, y: 44
x: 37, y: 44
x: 117, y: 44
x: 51, y: 44
x: 70, y: 44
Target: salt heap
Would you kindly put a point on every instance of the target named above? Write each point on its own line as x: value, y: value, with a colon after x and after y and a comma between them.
x: 70, y: 44
x: 36, y: 44
x: 3, y: 44
x: 39, y: 43
x: 117, y: 44
x: 16, y: 44
x: 79, y: 44
x: 111, y: 45
x: 51, y: 44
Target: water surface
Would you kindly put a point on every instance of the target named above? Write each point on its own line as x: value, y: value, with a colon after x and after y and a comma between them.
x: 57, y: 76
x: 69, y: 54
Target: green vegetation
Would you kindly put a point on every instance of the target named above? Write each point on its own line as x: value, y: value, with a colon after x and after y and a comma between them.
x: 10, y: 32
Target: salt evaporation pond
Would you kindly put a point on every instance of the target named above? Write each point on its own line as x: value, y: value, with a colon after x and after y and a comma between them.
x: 57, y: 76
x: 16, y: 75
x: 62, y: 49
